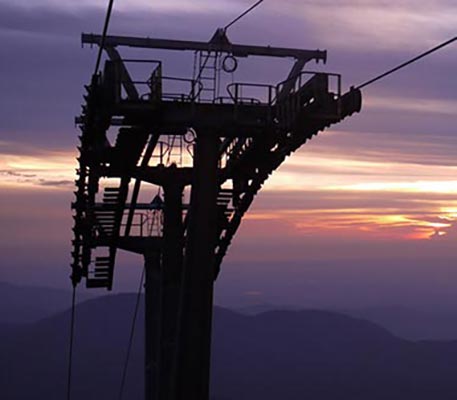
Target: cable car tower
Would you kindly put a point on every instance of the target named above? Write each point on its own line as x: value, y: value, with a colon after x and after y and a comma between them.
x: 175, y: 180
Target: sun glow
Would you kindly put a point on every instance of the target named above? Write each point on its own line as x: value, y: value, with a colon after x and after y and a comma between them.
x: 363, y: 198
x: 409, y: 187
x: 377, y: 223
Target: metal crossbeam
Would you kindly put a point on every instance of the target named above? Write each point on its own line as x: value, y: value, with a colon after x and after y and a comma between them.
x: 237, y: 50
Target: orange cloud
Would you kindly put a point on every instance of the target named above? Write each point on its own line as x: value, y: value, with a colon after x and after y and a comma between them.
x: 367, y: 223
x: 51, y: 169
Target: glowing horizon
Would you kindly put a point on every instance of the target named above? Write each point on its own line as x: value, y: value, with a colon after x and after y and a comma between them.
x: 328, y: 175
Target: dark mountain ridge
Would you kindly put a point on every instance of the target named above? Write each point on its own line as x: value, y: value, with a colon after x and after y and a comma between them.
x: 26, y: 304
x: 277, y: 354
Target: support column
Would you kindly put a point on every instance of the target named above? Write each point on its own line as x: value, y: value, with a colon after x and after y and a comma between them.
x: 172, y: 264
x: 163, y: 287
x: 197, y: 300
x: 153, y: 322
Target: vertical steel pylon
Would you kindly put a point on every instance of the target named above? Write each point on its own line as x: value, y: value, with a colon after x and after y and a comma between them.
x: 228, y: 149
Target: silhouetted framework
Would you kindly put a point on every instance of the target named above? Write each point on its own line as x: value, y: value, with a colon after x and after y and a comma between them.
x: 209, y: 156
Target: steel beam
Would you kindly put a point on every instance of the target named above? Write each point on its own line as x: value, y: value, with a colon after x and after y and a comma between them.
x: 193, y: 357
x: 136, y: 189
x: 153, y: 322
x: 290, y: 81
x: 172, y: 264
x: 164, y: 277
x: 238, y: 50
x: 126, y: 79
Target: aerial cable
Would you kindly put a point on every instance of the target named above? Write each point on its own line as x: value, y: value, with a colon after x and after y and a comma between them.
x: 132, y: 334
x: 243, y: 14
x: 422, y: 55
x: 70, y: 349
x: 105, y: 31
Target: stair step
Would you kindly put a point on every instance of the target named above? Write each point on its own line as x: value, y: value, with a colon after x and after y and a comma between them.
x: 101, y: 274
x: 105, y: 269
x: 101, y: 260
x: 111, y: 189
x: 97, y: 283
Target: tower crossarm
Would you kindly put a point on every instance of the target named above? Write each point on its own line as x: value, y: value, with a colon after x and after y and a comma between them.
x: 267, y: 157
x: 237, y: 50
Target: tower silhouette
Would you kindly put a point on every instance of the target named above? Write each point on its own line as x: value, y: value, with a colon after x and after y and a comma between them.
x: 209, y: 155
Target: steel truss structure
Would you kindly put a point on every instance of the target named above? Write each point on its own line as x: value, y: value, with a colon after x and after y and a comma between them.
x: 209, y: 155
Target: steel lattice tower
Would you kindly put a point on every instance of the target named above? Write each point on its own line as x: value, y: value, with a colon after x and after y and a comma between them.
x: 231, y: 144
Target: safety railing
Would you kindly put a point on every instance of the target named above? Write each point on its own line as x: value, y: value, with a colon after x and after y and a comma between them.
x: 145, y: 224
x: 297, y: 82
x: 296, y: 93
x: 155, y: 87
x: 259, y: 93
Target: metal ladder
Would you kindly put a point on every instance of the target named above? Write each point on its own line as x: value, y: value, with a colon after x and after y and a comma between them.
x: 206, y: 74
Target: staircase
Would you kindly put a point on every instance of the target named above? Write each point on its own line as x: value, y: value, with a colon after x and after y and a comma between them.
x: 108, y: 218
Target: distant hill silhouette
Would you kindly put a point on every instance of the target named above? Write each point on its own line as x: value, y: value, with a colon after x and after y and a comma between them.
x: 23, y: 304
x: 412, y: 323
x: 26, y: 304
x: 406, y: 322
x: 274, y: 355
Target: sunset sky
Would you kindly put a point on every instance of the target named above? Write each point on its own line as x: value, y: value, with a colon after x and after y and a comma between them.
x: 377, y: 191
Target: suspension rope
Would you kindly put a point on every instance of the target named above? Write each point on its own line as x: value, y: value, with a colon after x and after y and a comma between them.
x: 70, y: 349
x: 105, y: 31
x: 243, y: 14
x: 132, y: 334
x: 422, y: 55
